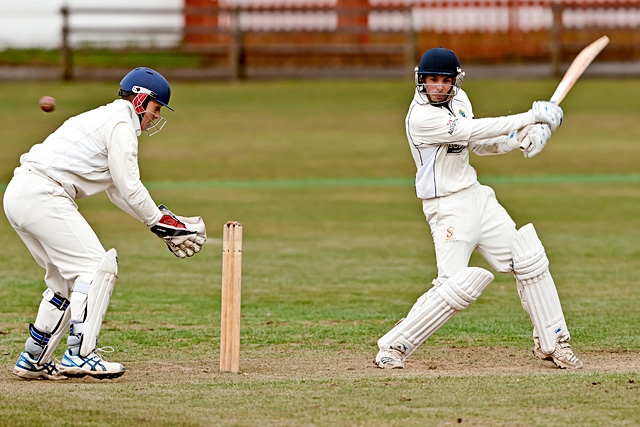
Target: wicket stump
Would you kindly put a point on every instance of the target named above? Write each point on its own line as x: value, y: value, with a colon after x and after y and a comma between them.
x: 231, y: 291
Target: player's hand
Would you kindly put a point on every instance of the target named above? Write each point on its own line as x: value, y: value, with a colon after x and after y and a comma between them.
x: 195, y: 224
x: 182, y: 241
x: 537, y: 135
x: 510, y: 143
x: 548, y: 113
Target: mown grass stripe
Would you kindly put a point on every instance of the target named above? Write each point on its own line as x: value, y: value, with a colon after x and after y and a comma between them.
x: 565, y: 179
x: 383, y: 182
x: 391, y: 182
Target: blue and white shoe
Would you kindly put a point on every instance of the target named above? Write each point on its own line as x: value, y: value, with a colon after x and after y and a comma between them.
x: 391, y: 358
x: 28, y: 369
x: 93, y: 365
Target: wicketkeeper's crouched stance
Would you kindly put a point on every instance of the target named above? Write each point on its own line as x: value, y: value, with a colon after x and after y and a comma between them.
x: 464, y: 215
x: 93, y: 152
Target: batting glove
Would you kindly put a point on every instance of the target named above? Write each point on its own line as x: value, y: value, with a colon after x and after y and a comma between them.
x: 511, y: 142
x: 548, y: 113
x: 537, y: 135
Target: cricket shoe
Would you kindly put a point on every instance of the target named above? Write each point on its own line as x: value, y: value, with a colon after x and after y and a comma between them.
x: 27, y: 368
x: 93, y: 365
x: 562, y: 356
x: 391, y: 358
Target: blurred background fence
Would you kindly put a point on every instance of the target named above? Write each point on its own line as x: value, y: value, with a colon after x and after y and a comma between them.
x: 239, y: 38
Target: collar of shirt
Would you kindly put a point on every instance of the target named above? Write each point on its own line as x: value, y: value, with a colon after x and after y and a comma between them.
x: 134, y: 118
x: 419, y: 98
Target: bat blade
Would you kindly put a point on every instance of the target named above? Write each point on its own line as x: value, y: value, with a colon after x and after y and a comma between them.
x: 573, y: 73
x: 577, y: 67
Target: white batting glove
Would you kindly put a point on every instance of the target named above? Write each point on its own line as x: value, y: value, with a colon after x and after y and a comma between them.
x: 181, y: 240
x: 537, y: 135
x: 548, y: 113
x: 511, y: 142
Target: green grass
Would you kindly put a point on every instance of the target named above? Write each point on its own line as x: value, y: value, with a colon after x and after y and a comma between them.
x: 96, y: 57
x: 336, y: 250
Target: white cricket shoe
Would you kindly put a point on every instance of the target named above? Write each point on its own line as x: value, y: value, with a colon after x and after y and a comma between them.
x: 391, y: 358
x: 562, y: 356
x: 28, y: 369
x: 93, y: 365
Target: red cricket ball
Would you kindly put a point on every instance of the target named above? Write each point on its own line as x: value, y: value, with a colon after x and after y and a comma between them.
x: 47, y: 104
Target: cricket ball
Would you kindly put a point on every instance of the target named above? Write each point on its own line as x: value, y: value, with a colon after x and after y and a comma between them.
x: 47, y: 104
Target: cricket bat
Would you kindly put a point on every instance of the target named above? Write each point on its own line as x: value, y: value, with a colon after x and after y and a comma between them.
x: 575, y: 70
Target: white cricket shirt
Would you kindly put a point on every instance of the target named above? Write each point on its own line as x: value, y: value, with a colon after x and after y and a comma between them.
x: 440, y: 139
x: 97, y: 151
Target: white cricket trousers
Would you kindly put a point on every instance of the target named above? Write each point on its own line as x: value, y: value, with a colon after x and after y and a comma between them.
x: 48, y: 221
x: 467, y: 220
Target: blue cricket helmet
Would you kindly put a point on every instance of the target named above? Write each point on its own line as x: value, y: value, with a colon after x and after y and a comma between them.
x: 144, y: 80
x: 439, y: 61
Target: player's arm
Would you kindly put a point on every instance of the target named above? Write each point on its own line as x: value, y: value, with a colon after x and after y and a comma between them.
x: 492, y: 146
x: 538, y: 135
x: 438, y: 126
x: 128, y: 192
x: 183, y: 236
x: 491, y: 127
x: 117, y: 199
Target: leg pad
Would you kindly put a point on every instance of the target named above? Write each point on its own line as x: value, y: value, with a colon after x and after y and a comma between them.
x: 434, y: 308
x: 536, y: 288
x: 98, y: 301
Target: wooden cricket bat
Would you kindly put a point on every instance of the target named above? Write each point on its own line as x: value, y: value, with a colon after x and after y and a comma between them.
x: 575, y: 70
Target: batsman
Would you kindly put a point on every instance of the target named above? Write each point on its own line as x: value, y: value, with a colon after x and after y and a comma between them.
x: 465, y: 216
x: 90, y: 153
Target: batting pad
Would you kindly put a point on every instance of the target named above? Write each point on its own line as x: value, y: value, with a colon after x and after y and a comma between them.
x: 56, y: 336
x: 434, y: 308
x: 98, y: 300
x: 536, y: 288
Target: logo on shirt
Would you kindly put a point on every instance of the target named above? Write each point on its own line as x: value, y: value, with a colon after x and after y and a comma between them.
x: 452, y: 124
x: 461, y: 113
x: 455, y: 148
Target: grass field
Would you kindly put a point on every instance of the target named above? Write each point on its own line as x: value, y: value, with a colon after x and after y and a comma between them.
x: 336, y: 250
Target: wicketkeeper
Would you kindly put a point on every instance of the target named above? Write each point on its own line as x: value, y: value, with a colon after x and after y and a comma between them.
x: 464, y: 215
x: 93, y: 152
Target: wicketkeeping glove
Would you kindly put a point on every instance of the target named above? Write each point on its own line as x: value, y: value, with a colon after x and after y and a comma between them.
x: 184, y: 236
x: 196, y: 224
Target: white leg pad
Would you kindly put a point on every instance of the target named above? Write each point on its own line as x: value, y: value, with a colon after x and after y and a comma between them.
x: 54, y: 309
x: 434, y: 308
x: 536, y: 288
x: 98, y: 301
x: 55, y: 338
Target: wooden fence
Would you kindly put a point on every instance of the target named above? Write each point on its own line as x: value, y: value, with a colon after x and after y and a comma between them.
x: 321, y: 38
